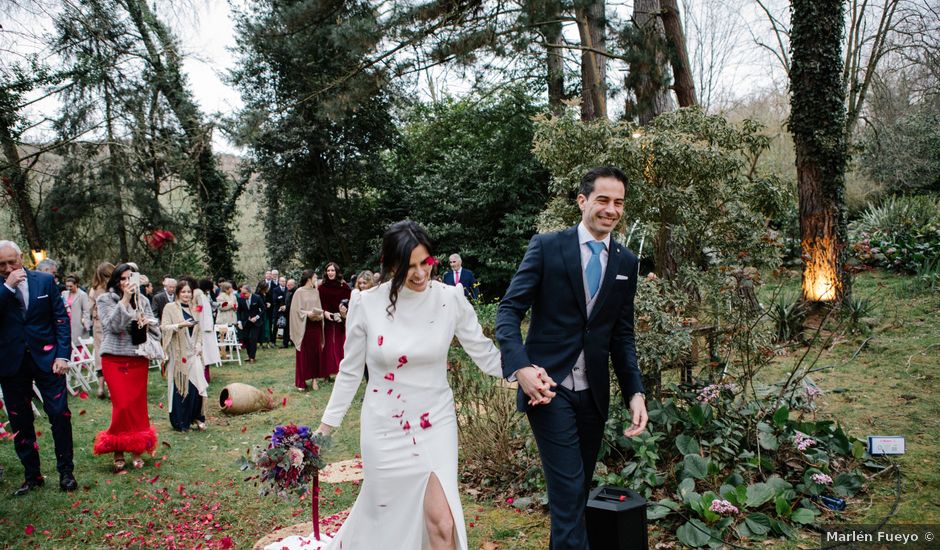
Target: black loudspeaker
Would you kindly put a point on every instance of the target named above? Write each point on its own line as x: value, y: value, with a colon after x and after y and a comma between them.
x: 616, y: 519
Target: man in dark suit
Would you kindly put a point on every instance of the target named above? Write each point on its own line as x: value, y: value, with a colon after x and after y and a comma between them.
x: 165, y: 296
x: 457, y: 275
x: 35, y: 342
x: 580, y: 285
x: 288, y: 296
x: 250, y: 311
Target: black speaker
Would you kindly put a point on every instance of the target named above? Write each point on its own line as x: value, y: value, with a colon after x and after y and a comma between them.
x: 616, y: 519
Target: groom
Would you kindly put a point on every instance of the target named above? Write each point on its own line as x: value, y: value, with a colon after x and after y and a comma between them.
x: 580, y: 285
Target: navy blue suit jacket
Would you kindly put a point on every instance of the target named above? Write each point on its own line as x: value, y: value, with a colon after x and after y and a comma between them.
x: 550, y: 282
x: 45, y: 328
x: 466, y: 279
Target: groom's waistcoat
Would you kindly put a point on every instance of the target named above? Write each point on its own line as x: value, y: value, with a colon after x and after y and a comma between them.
x: 550, y: 282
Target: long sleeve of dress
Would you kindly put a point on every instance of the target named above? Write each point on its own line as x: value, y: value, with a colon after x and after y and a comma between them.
x: 470, y: 334
x: 351, y: 367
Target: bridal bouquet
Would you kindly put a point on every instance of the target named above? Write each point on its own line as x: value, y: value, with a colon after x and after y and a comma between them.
x: 291, y: 461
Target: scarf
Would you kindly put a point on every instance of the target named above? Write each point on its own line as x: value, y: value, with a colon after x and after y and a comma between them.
x: 304, y: 301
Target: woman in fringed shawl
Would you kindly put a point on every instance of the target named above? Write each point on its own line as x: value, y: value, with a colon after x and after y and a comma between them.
x: 334, y: 294
x: 306, y: 331
x: 186, y: 380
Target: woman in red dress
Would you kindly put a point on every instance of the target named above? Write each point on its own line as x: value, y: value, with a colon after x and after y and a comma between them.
x: 334, y: 297
x: 306, y: 331
x: 126, y: 319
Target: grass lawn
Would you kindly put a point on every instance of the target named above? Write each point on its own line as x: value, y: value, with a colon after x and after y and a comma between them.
x: 192, y: 492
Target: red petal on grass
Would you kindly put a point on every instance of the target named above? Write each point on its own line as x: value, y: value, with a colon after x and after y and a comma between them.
x: 160, y: 404
x: 284, y: 402
x: 226, y: 542
x: 154, y: 479
x: 30, y: 529
x: 83, y: 395
x: 158, y: 463
x: 510, y: 500
x: 390, y: 376
x: 81, y: 412
x: 181, y: 489
x: 38, y: 433
x: 244, y: 429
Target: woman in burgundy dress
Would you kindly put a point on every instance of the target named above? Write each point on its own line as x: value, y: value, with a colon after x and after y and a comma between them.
x: 334, y: 297
x: 306, y: 331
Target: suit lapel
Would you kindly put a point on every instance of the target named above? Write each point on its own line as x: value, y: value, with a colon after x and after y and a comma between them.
x: 33, y: 286
x: 614, y: 256
x: 571, y: 256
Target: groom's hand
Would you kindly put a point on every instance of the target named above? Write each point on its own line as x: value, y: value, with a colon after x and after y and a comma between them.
x: 536, y: 384
x: 638, y: 407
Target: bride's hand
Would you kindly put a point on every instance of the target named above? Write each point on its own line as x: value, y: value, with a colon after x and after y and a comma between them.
x: 324, y: 429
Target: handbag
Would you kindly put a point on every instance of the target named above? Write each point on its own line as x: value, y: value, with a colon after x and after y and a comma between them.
x: 151, y: 349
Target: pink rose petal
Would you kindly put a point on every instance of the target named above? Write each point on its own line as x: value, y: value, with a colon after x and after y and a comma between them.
x: 390, y: 376
x: 48, y: 347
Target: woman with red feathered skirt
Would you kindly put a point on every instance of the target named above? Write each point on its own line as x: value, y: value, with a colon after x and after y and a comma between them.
x: 126, y: 321
x: 334, y: 298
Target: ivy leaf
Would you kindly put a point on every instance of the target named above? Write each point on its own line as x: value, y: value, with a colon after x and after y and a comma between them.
x: 803, y: 515
x: 694, y: 533
x: 758, y: 494
x: 687, y: 445
x: 758, y: 523
x: 694, y: 466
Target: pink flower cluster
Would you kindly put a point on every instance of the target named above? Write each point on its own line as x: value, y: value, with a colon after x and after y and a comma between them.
x: 712, y: 391
x: 822, y: 479
x: 812, y: 392
x: 803, y: 441
x: 723, y: 507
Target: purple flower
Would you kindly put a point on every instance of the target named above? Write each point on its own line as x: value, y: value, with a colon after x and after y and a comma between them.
x: 723, y: 507
x: 803, y: 441
x: 822, y: 479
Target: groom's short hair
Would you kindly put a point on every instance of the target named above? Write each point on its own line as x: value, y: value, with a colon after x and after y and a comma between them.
x: 587, y: 181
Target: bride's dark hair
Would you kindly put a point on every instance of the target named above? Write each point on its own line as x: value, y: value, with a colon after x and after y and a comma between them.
x: 398, y: 243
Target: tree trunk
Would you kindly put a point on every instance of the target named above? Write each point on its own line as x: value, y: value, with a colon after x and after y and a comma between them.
x: 683, y: 84
x: 207, y: 183
x: 115, y: 177
x: 16, y: 187
x: 555, y: 62
x: 652, y: 97
x: 817, y: 122
x: 592, y: 26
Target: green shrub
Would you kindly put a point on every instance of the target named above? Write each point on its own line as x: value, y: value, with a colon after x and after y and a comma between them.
x: 902, y: 234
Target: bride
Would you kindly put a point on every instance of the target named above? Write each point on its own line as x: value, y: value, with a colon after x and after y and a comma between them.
x: 403, y: 330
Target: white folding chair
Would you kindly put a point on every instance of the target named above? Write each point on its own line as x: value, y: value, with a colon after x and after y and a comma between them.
x: 81, y: 362
x: 36, y: 412
x: 89, y: 369
x: 228, y: 342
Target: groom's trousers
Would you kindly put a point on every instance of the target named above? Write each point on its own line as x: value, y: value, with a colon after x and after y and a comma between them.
x: 568, y: 431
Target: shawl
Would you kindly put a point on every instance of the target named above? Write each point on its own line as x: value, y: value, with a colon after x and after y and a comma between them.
x: 331, y: 293
x: 179, y: 346
x: 304, y: 301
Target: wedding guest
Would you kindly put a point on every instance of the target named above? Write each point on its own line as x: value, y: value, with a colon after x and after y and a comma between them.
x: 334, y: 295
x: 306, y: 321
x: 146, y: 289
x: 50, y: 266
x: 250, y: 314
x: 126, y: 322
x: 227, y: 304
x: 279, y: 309
x: 99, y: 286
x: 462, y: 277
x: 78, y: 307
x: 210, y: 342
x: 182, y: 342
x: 34, y: 332
x: 365, y: 280
x: 263, y: 290
x: 291, y: 288
x: 165, y: 296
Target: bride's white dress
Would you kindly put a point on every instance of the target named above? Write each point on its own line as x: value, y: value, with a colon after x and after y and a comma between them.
x: 408, y: 427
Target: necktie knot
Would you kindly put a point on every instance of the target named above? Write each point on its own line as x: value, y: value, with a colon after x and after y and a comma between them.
x: 596, y: 247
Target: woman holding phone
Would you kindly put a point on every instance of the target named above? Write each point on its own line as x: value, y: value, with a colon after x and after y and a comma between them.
x: 126, y: 320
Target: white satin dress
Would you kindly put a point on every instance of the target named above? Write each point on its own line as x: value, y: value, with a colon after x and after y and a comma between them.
x: 408, y: 426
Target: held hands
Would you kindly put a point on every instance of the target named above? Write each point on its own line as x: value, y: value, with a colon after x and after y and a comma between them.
x: 536, y: 384
x: 325, y: 429
x: 60, y: 367
x: 638, y: 407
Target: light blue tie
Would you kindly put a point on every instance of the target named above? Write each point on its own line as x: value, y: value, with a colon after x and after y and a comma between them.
x: 593, y: 270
